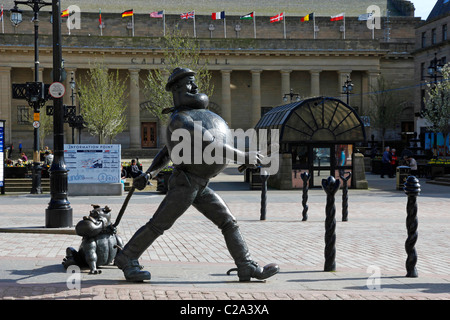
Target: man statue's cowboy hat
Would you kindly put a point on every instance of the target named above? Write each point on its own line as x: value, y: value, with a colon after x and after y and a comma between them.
x: 177, y: 74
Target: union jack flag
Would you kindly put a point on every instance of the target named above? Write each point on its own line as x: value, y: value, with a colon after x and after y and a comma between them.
x: 188, y: 15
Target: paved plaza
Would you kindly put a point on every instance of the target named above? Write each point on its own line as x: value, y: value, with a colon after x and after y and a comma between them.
x: 190, y: 260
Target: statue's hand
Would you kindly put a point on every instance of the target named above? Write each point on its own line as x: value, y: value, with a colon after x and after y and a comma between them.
x: 140, y: 182
x: 253, y: 158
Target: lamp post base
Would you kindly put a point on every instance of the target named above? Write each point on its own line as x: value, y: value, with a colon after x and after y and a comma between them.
x: 58, y: 218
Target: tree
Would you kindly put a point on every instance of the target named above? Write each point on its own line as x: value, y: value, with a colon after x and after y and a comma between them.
x: 386, y: 110
x: 437, y: 106
x: 179, y: 51
x: 102, y: 96
x: 46, y: 126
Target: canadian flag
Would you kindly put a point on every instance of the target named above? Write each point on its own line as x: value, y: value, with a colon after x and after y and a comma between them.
x: 338, y: 17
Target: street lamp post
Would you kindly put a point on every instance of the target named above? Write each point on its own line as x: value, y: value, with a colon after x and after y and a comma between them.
x: 72, y: 96
x: 59, y: 213
x: 35, y: 91
x: 291, y: 94
x: 347, y: 88
x: 75, y: 121
x: 435, y: 69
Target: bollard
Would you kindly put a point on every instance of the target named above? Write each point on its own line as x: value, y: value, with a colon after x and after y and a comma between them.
x: 264, y: 178
x: 344, y: 193
x: 412, y: 189
x: 331, y: 186
x: 305, y: 177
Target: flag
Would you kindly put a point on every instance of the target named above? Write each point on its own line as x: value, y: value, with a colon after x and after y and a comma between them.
x: 218, y: 15
x: 307, y: 17
x: 1, y: 14
x: 365, y: 17
x: 188, y: 15
x: 65, y: 13
x: 338, y: 17
x: 127, y: 13
x: 276, y: 18
x: 157, y: 14
x: 249, y: 16
x: 100, y: 17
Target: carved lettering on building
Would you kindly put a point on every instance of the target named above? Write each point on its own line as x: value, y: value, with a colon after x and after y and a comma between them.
x: 162, y: 61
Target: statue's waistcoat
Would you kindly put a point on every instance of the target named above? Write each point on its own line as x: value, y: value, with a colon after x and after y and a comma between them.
x: 215, y: 125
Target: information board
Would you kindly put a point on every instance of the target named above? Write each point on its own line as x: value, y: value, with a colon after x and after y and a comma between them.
x: 93, y: 163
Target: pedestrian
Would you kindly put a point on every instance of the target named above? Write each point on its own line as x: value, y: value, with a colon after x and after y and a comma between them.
x: 48, y: 158
x: 134, y: 169
x: 386, y: 163
x: 412, y: 163
x: 23, y: 157
x: 394, y: 162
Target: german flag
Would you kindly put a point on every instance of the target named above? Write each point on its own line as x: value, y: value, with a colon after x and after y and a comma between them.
x: 127, y: 13
x: 307, y: 18
x: 65, y: 13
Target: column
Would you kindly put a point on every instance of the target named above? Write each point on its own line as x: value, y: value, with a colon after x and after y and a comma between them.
x: 372, y: 81
x: 5, y: 102
x: 285, y: 83
x: 315, y: 82
x: 226, y: 96
x: 134, y: 114
x: 256, y: 97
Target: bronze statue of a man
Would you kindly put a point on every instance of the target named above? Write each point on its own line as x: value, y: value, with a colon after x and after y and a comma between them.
x: 188, y: 184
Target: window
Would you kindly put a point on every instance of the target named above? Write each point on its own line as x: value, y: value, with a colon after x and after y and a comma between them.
x: 23, y: 115
x: 422, y: 98
x: 422, y: 71
x: 424, y: 39
x: 433, y: 36
x: 444, y: 32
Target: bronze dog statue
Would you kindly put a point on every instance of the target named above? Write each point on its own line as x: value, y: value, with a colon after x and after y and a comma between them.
x: 100, y: 242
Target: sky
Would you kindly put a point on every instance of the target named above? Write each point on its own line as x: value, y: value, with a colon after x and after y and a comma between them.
x: 423, y: 7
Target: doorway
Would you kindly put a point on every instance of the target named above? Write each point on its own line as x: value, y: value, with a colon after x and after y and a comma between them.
x: 322, y: 165
x: 148, y: 135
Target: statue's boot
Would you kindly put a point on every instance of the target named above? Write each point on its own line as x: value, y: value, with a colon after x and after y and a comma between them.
x: 127, y: 259
x: 246, y: 267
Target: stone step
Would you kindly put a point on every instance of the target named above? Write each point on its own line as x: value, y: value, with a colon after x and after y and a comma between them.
x: 443, y: 180
x: 23, y: 185
x: 128, y: 154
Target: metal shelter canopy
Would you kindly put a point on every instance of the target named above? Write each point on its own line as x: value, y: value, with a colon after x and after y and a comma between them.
x: 319, y: 119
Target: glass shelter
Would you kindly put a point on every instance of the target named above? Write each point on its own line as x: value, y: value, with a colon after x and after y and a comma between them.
x: 320, y: 134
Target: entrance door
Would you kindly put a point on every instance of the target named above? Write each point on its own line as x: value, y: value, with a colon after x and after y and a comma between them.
x: 148, y: 135
x: 322, y: 163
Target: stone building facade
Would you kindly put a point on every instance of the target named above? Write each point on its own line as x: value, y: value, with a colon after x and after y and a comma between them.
x: 432, y: 42
x: 249, y: 74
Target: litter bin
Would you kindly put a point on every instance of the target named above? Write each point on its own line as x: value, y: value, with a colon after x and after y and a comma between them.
x: 402, y: 174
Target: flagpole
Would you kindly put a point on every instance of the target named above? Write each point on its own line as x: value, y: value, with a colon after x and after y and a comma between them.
x: 3, y: 21
x: 225, y: 27
x: 132, y: 23
x: 314, y: 19
x: 284, y: 25
x: 254, y: 23
x: 195, y: 33
x: 373, y: 28
x: 164, y: 22
x: 344, y: 25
